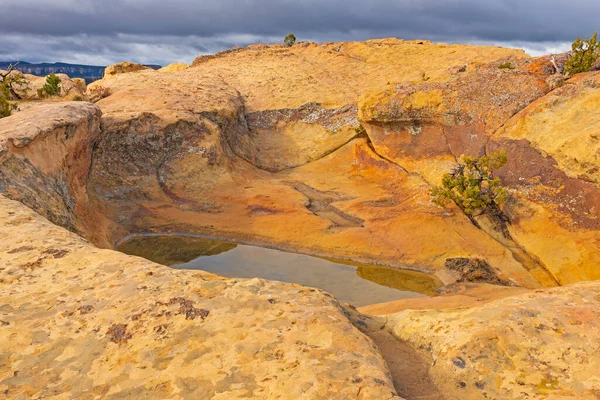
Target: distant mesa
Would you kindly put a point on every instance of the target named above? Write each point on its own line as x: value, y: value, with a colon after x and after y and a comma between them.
x: 90, y: 73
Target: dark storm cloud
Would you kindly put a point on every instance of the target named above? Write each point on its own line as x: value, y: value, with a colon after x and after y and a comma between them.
x: 152, y: 31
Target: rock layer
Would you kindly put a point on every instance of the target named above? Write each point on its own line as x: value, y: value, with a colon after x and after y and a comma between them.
x: 45, y: 159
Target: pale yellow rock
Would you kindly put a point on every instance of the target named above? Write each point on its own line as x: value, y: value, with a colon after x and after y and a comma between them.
x: 565, y: 124
x: 264, y: 145
x: 77, y: 321
x: 174, y: 67
x: 539, y: 345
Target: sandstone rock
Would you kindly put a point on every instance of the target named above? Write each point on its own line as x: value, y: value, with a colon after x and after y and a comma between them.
x: 77, y: 321
x: 174, y: 67
x: 70, y: 89
x: 337, y: 146
x: 124, y: 68
x: 45, y: 158
x: 176, y: 150
x: 535, y: 345
x: 553, y: 169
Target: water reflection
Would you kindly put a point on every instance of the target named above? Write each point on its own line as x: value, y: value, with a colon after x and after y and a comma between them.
x: 355, y: 283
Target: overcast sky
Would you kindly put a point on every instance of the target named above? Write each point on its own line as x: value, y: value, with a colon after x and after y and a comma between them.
x: 103, y: 32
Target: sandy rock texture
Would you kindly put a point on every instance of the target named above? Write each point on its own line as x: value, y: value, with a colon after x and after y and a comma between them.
x: 174, y: 67
x: 553, y: 168
x: 536, y: 345
x: 80, y: 322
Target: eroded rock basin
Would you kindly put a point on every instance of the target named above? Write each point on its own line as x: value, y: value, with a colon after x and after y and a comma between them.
x: 349, y: 282
x: 235, y: 149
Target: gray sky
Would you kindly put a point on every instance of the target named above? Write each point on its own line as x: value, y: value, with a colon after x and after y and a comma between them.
x: 103, y: 32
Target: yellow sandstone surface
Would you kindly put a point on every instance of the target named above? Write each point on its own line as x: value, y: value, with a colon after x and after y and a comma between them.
x: 80, y: 322
x: 324, y: 149
x: 253, y: 141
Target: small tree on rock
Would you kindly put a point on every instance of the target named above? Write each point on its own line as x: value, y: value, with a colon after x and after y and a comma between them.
x: 9, y: 80
x: 14, y: 80
x: 289, y: 40
x: 52, y: 86
x: 584, y: 55
x: 473, y: 187
x: 6, y: 107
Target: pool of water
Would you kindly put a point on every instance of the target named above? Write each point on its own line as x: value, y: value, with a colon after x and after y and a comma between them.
x: 355, y: 283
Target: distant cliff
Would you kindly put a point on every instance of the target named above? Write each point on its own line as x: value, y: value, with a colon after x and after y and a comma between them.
x: 88, y: 72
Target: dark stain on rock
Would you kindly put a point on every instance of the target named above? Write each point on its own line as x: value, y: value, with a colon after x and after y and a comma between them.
x: 21, y: 249
x: 459, y: 362
x: 475, y: 270
x: 118, y: 333
x: 319, y: 203
x: 383, y: 203
x: 186, y: 307
x: 257, y: 210
x: 56, y: 253
x: 528, y: 168
x: 33, y: 264
x: 87, y: 309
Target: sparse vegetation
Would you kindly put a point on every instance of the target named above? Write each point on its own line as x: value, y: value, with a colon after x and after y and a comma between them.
x: 506, y: 65
x: 472, y: 186
x: 13, y: 79
x: 6, y: 107
x: 52, y: 86
x: 584, y: 55
x: 360, y: 130
x: 9, y: 80
x: 289, y: 40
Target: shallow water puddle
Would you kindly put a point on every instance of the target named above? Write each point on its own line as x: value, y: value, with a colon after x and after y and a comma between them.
x: 355, y: 283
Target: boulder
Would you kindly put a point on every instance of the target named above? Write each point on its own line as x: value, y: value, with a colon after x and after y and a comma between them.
x: 124, y: 68
x: 174, y: 67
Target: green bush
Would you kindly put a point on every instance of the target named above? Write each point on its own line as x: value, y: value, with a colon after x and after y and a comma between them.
x: 289, y: 40
x: 360, y: 130
x: 506, y: 65
x: 472, y: 185
x: 10, y: 81
x: 52, y: 86
x: 6, y: 107
x: 584, y: 55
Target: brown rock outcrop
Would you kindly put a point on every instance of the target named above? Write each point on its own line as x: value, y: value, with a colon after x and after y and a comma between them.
x: 70, y: 89
x: 124, y: 68
x: 45, y: 159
